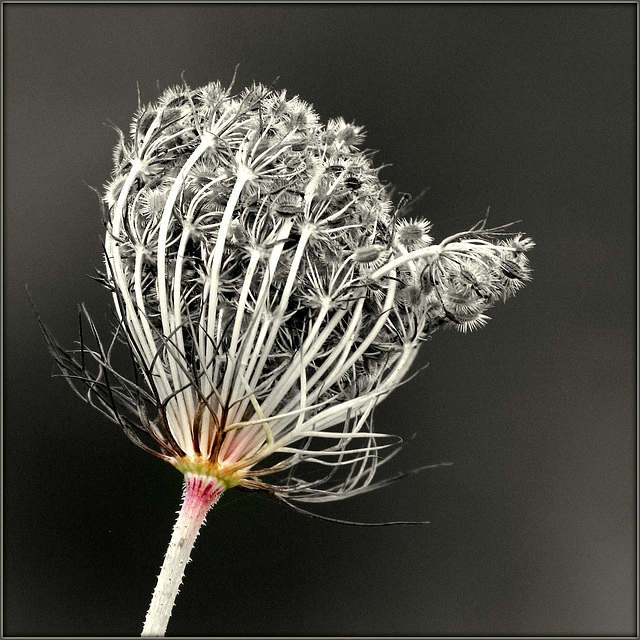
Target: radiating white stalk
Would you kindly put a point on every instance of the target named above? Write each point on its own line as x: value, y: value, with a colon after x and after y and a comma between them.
x: 183, y: 401
x: 424, y: 252
x: 209, y: 306
x: 161, y: 382
x: 305, y: 234
x: 312, y: 345
x: 254, y: 337
x: 133, y: 314
x: 314, y: 424
x: 233, y: 366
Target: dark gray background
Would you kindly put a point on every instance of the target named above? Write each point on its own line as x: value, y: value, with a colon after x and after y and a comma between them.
x: 526, y: 108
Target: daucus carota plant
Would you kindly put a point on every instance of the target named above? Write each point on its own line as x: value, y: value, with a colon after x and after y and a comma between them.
x: 270, y: 295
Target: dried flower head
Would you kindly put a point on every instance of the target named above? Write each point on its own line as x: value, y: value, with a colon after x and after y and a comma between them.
x: 269, y: 293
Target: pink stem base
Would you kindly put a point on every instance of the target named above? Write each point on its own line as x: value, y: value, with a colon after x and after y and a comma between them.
x: 200, y: 494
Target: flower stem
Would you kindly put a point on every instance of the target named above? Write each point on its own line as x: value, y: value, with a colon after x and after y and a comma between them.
x: 201, y: 492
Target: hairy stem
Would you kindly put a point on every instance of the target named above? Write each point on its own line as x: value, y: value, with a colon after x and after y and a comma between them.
x: 200, y: 494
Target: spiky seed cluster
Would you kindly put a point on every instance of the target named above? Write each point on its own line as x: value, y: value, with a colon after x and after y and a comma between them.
x: 268, y: 291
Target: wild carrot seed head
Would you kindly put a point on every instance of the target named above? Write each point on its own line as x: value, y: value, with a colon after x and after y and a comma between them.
x: 268, y: 292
